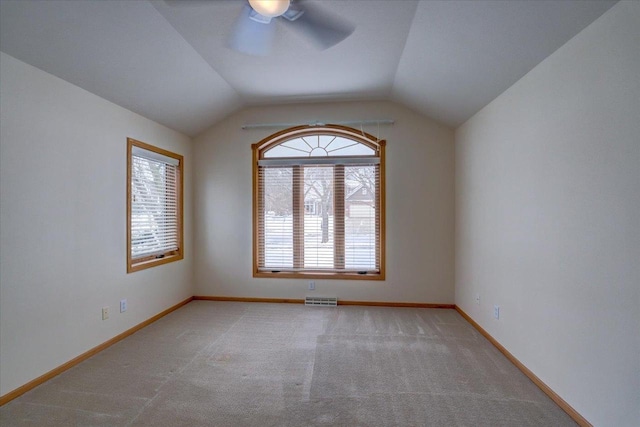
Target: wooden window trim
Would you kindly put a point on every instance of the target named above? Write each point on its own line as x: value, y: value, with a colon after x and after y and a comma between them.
x: 278, y: 138
x: 138, y: 264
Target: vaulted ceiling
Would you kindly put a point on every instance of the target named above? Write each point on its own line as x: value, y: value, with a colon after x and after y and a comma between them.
x: 170, y: 63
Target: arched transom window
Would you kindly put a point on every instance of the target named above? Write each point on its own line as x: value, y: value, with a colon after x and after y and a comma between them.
x: 319, y: 204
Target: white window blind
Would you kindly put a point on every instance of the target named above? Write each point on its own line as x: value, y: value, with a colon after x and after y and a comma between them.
x: 154, y: 204
x: 322, y: 217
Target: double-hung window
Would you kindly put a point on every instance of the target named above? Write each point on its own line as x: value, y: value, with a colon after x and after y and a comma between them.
x: 318, y: 203
x: 154, y: 206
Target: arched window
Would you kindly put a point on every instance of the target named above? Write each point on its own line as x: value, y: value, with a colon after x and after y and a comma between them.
x: 318, y: 201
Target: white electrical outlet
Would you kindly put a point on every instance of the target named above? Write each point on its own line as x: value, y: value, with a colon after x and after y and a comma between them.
x: 478, y: 299
x: 496, y: 311
x: 123, y: 305
x: 105, y: 313
x: 312, y: 285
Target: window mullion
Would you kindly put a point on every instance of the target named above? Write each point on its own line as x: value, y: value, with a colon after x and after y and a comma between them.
x: 298, y: 217
x: 338, y: 217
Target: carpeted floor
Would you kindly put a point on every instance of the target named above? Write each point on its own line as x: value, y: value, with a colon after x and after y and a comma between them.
x: 256, y: 364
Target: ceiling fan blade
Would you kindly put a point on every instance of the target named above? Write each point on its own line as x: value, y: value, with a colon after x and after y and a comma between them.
x: 251, y: 36
x: 322, y: 28
x: 187, y: 3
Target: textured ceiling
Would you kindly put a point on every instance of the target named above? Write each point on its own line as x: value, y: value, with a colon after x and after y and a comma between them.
x: 446, y: 59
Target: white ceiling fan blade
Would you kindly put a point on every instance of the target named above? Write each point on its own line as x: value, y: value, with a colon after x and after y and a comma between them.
x: 250, y: 36
x: 323, y: 29
x: 187, y: 3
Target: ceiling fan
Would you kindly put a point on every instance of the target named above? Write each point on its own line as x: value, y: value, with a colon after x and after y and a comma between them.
x: 253, y: 31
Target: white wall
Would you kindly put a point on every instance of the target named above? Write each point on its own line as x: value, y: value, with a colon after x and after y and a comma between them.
x: 548, y: 219
x: 419, y: 189
x: 63, y: 223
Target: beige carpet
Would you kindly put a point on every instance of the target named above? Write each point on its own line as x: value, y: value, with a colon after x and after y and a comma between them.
x: 256, y: 364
